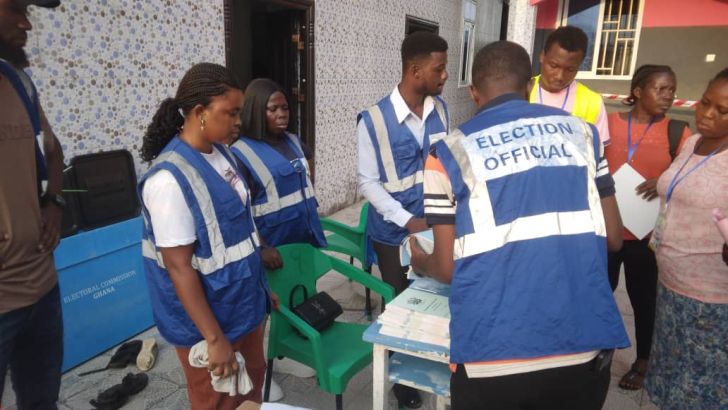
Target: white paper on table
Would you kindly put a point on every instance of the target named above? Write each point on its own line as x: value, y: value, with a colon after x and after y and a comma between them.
x: 638, y: 215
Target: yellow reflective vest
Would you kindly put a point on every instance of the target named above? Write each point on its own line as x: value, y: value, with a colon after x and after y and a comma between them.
x: 587, y: 103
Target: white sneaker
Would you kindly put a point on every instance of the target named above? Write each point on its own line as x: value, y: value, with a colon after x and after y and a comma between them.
x: 276, y: 393
x: 293, y: 367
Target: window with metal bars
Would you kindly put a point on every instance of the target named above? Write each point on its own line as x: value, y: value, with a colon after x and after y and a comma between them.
x: 613, y: 28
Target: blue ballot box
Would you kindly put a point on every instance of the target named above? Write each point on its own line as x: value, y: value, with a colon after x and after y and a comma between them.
x: 104, y: 294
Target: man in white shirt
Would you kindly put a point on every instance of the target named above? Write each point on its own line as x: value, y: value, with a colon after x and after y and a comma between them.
x: 394, y: 137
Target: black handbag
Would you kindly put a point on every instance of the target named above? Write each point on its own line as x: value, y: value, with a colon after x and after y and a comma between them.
x: 319, y: 311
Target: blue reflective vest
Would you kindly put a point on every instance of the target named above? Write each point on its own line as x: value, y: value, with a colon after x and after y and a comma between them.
x: 530, y: 275
x: 285, y: 210
x: 226, y: 253
x: 401, y: 162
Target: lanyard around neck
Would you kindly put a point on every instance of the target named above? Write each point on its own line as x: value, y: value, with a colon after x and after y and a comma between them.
x: 566, y: 98
x: 631, y: 149
x: 677, y: 179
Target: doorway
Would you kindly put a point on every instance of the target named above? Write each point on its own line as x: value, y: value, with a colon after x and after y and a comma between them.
x: 274, y: 39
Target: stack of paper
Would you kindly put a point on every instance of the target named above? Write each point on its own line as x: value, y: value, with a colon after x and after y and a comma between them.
x: 419, y: 316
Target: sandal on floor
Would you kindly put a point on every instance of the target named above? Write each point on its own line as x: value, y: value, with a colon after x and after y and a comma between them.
x: 117, y: 395
x: 634, y: 379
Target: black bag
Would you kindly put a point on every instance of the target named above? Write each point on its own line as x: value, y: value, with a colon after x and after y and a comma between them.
x: 319, y: 311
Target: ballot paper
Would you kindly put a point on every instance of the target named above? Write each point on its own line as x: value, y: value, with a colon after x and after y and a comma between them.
x: 638, y: 214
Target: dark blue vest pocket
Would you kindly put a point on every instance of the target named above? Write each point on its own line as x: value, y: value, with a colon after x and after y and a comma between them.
x: 220, y: 282
x: 408, y: 158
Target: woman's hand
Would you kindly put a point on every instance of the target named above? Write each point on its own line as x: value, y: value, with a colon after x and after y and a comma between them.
x: 271, y: 258
x: 221, y: 358
x: 648, y: 189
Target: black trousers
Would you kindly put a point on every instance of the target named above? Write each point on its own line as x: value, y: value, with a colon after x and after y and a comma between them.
x: 393, y: 272
x: 640, y: 273
x: 577, y: 387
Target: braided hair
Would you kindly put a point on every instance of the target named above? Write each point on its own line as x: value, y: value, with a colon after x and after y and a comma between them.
x: 199, y: 85
x: 641, y: 77
x: 254, y: 123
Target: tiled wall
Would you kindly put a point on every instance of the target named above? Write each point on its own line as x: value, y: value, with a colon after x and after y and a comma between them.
x: 103, y: 66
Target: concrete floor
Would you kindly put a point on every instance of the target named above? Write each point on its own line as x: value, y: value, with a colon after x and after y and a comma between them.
x: 167, y: 389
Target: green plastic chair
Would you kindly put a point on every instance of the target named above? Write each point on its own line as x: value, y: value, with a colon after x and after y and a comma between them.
x: 350, y: 241
x: 338, y: 352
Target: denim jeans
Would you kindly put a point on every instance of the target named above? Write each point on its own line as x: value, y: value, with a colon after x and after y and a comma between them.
x: 31, y: 345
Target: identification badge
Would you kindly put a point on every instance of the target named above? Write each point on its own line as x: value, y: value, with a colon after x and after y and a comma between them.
x: 659, y: 229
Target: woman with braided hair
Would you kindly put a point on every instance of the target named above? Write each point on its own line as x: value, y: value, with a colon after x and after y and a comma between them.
x: 200, y: 246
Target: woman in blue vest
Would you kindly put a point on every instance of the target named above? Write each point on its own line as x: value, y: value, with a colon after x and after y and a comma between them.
x: 276, y: 168
x: 200, y: 247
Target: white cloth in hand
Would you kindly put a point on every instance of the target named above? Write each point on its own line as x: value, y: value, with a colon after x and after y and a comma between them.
x: 235, y: 384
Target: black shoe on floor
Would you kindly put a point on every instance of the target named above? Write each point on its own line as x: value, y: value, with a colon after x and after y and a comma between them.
x: 407, y: 396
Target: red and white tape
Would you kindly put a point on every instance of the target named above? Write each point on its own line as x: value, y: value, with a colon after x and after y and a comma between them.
x: 677, y: 103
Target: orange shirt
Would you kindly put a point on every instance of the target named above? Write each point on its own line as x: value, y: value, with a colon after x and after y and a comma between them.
x: 652, y: 156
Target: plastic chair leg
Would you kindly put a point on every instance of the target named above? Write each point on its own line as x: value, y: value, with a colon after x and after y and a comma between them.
x: 339, y: 402
x: 268, y: 378
x: 367, y: 291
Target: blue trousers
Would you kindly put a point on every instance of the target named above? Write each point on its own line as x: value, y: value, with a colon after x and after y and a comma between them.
x: 31, y: 345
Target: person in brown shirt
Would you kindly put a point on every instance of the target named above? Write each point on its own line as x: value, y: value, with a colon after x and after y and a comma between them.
x: 31, y: 164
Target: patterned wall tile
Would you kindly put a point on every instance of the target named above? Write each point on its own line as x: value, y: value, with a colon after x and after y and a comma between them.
x: 103, y: 66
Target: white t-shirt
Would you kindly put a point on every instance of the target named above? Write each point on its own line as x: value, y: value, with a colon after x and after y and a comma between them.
x: 170, y: 216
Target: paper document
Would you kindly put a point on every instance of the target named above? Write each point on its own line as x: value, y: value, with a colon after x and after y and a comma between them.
x: 638, y: 215
x: 426, y: 243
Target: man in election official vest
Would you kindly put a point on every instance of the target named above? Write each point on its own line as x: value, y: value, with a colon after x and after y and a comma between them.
x: 556, y: 86
x: 393, y: 140
x: 523, y: 210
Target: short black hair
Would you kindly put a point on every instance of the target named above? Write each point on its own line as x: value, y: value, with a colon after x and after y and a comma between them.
x: 641, y: 76
x: 421, y: 44
x: 254, y: 123
x: 722, y: 75
x: 502, y: 61
x: 569, y: 38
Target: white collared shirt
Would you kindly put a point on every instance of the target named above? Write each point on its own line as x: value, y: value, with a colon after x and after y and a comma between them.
x: 369, y: 183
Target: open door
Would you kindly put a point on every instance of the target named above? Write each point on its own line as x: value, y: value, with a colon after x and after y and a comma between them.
x: 274, y: 39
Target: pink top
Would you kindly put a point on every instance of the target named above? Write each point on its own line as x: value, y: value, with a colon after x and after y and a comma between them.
x: 689, y: 256
x: 557, y: 100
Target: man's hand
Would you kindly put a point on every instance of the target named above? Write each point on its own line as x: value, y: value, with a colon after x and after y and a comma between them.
x: 418, y: 257
x: 221, y: 358
x: 648, y: 189
x: 271, y: 258
x: 415, y: 225
x: 51, y: 216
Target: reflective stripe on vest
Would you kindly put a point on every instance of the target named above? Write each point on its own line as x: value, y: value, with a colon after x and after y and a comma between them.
x: 393, y: 183
x: 274, y: 203
x: 218, y: 259
x: 490, y: 236
x: 587, y: 103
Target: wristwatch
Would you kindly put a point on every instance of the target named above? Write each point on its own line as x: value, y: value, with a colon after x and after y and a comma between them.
x: 56, y: 199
